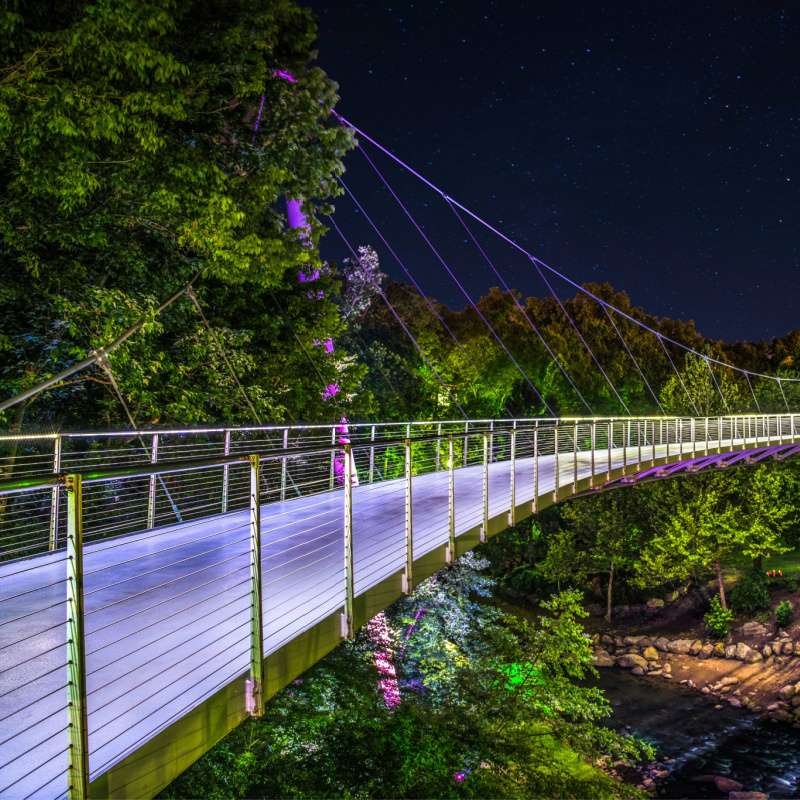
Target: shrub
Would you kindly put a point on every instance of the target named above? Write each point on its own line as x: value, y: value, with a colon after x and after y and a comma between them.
x: 750, y: 594
x: 718, y: 619
x: 784, y: 613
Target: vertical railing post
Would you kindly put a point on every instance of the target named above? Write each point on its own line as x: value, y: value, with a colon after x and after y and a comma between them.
x: 485, y: 523
x: 652, y: 442
x: 372, y: 454
x: 593, y: 435
x: 451, y: 502
x: 151, y: 489
x: 556, y: 477
x: 609, y: 442
x: 705, y: 430
x: 332, y: 467
x: 575, y: 459
x: 438, y: 446
x: 55, y: 495
x: 348, y: 623
x: 283, y: 463
x: 512, y: 514
x: 719, y: 434
x: 466, y: 443
x: 624, y: 451
x: 692, y: 434
x: 78, y: 731
x: 255, y: 683
x: 535, y: 504
x: 491, y: 441
x: 408, y: 576
x: 226, y: 450
x: 639, y: 440
x: 731, y: 431
x: 666, y: 424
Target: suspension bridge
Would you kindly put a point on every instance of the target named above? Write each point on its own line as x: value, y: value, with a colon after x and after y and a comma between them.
x: 158, y: 586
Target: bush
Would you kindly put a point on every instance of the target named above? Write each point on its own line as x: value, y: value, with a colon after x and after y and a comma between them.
x: 784, y: 613
x: 718, y: 619
x: 750, y: 594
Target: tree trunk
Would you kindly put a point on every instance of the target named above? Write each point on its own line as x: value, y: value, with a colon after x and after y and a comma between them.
x: 721, y: 584
x: 609, y: 591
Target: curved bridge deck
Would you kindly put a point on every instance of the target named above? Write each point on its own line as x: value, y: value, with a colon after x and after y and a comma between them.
x: 167, y: 605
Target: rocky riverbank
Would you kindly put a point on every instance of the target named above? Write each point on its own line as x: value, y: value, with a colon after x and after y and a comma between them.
x: 761, y: 674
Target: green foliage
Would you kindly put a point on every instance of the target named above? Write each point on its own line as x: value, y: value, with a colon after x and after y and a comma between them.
x: 784, y: 613
x: 129, y: 164
x: 750, y: 594
x: 500, y: 700
x: 718, y: 619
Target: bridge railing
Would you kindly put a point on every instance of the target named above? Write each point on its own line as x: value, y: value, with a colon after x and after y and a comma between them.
x: 185, y: 561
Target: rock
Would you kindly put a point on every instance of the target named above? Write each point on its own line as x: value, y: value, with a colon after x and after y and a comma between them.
x: 655, y: 602
x: 796, y: 700
x: 781, y: 715
x: 754, y: 629
x: 786, y: 692
x: 706, y: 651
x: 730, y: 651
x: 672, y: 596
x: 735, y: 702
x: 602, y: 659
x: 631, y: 660
x: 727, y: 784
x: 719, y: 650
x: 607, y: 640
x: 680, y: 646
x: 797, y: 648
x: 706, y: 690
x: 667, y: 668
x: 696, y: 647
x: 746, y: 653
x: 650, y: 653
x: 637, y: 671
x: 788, y: 648
x: 632, y: 640
x: 655, y: 673
x: 774, y: 707
x: 747, y: 796
x: 662, y: 644
x: 729, y: 680
x: 766, y: 651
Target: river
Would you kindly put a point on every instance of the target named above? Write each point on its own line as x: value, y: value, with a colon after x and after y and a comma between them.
x: 703, y: 739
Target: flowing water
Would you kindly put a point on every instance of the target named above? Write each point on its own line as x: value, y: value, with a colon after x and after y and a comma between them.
x: 703, y: 740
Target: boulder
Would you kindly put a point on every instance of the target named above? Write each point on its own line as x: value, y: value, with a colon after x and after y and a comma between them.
x: 706, y: 651
x: 680, y: 646
x: 747, y: 796
x: 631, y: 660
x: 696, y: 647
x: 796, y: 700
x: 744, y: 652
x: 650, y: 653
x: 662, y: 644
x: 602, y: 659
x: 632, y: 640
x: 754, y: 629
x: 724, y: 784
x: 752, y: 657
x: 735, y: 702
x: 654, y: 603
x: 788, y: 648
x: 667, y: 669
x: 729, y: 680
x: 786, y: 692
x: 766, y: 651
x: 797, y: 648
x: 719, y: 650
x: 637, y: 671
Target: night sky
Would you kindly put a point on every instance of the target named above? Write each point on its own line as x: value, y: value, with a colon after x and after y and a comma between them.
x: 653, y: 145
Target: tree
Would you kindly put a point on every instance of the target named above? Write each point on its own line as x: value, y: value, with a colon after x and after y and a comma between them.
x: 144, y: 143
x: 701, y: 388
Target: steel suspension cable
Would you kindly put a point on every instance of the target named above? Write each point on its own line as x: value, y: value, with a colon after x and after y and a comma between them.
x: 783, y: 394
x: 633, y: 358
x: 407, y: 271
x: 455, y: 280
x: 520, y: 307
x: 400, y: 321
x: 218, y: 344
x: 582, y: 339
x: 752, y: 392
x: 408, y: 168
x: 397, y: 258
x: 719, y: 390
x: 94, y: 356
x: 678, y: 376
x: 105, y: 365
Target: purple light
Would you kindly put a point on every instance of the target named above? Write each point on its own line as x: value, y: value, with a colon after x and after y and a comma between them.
x: 284, y: 75
x: 328, y: 345
x: 378, y: 633
x: 331, y: 390
x: 460, y: 776
x: 308, y: 277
